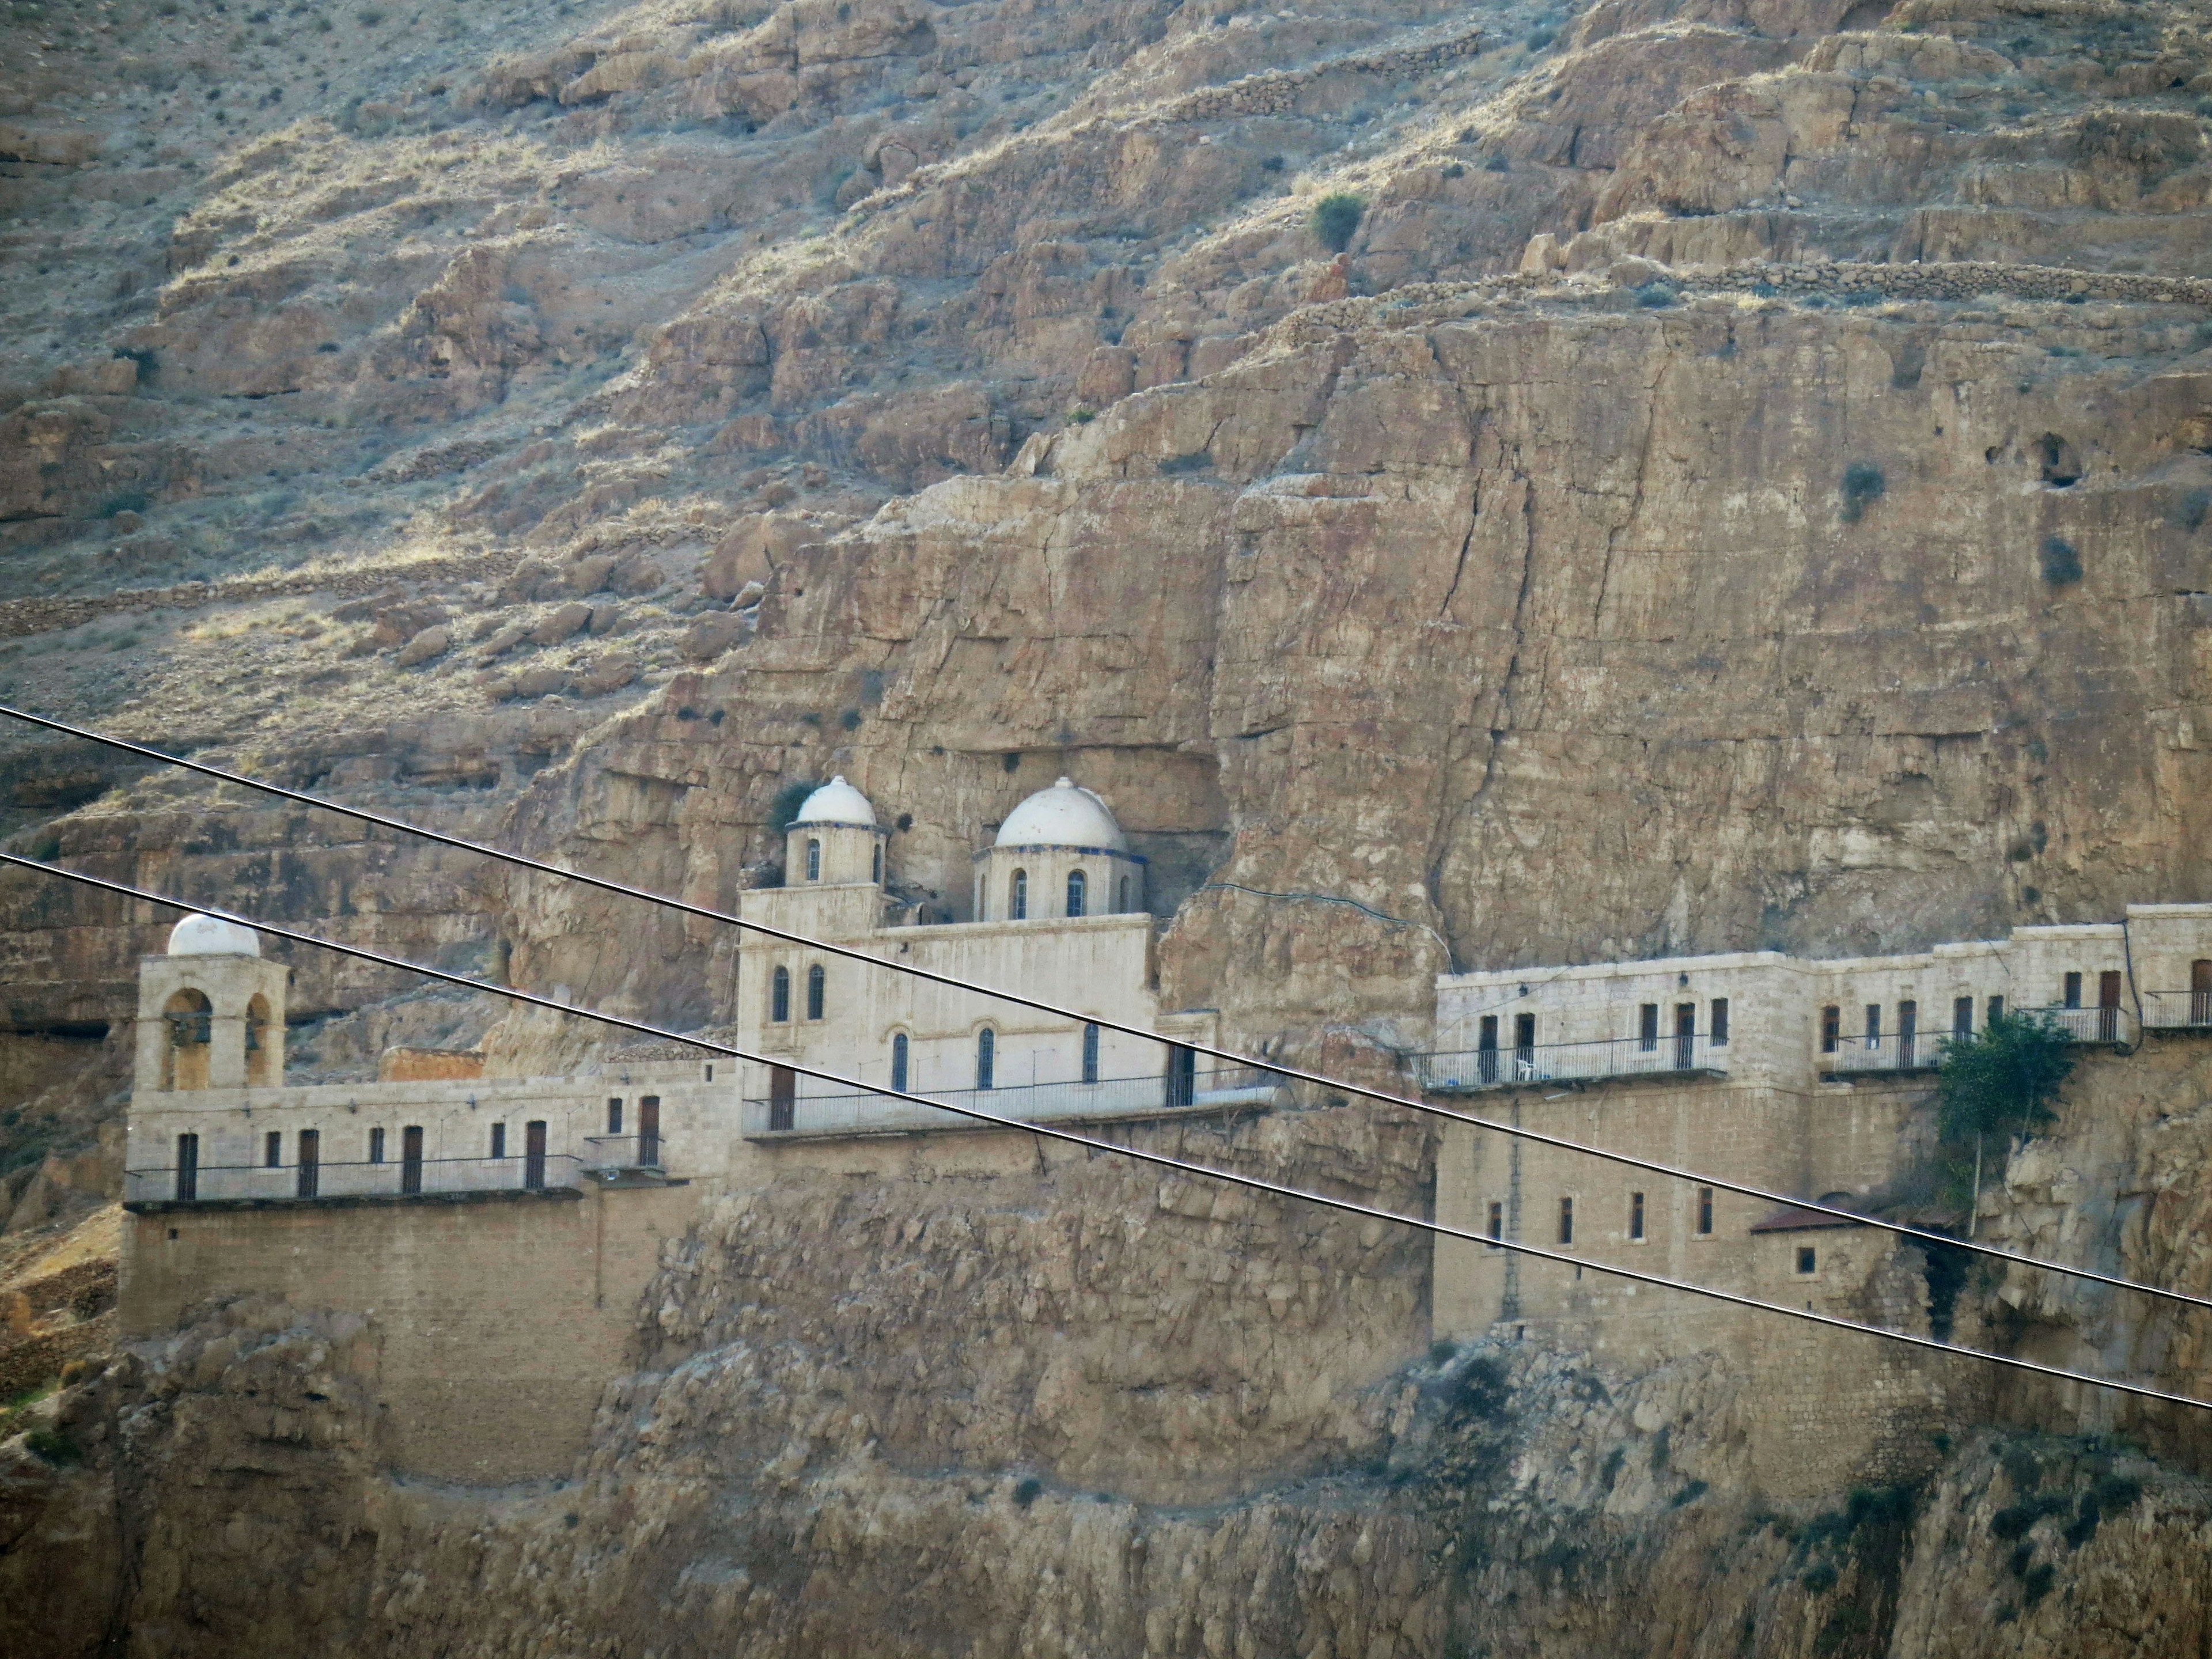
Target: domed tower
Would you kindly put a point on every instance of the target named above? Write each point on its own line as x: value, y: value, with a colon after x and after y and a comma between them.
x: 1059, y: 855
x: 210, y: 1012
x: 834, y: 840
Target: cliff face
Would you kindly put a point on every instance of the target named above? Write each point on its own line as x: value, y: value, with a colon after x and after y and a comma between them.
x: 1744, y: 483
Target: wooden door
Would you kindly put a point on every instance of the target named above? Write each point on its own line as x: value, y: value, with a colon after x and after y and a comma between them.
x: 311, y: 1163
x: 648, y: 1131
x: 533, y: 1154
x: 411, y: 1159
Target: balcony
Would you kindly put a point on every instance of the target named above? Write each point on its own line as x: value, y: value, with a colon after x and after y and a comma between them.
x: 260, y: 1186
x: 624, y: 1160
x: 1192, y: 1093
x: 2177, y: 1010
x: 1885, y: 1055
x: 1472, y: 1071
x: 2092, y: 1025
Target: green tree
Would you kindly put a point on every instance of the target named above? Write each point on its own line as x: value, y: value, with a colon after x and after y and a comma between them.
x: 2001, y: 1080
x: 1336, y: 217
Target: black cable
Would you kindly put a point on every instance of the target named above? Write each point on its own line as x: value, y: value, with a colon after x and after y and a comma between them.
x: 1251, y: 1183
x: 1560, y: 1143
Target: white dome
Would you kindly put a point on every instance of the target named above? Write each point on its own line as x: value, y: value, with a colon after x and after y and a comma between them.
x: 211, y: 936
x: 1062, y: 816
x: 836, y: 802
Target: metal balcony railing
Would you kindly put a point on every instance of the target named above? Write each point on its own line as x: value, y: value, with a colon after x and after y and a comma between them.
x: 1036, y: 1103
x: 1465, y: 1070
x: 1890, y: 1052
x: 209, y: 1183
x: 606, y: 1154
x: 2177, y: 1010
x: 2093, y: 1025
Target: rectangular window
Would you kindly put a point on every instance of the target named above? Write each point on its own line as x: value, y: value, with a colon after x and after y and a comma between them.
x: 376, y: 1145
x: 1705, y: 1211
x: 614, y: 1116
x: 1496, y: 1219
x: 1647, y: 1027
x: 1720, y: 1025
x: 1567, y: 1221
x: 2073, y: 990
x: 1091, y: 1054
x: 1636, y: 1217
x: 1997, y: 1008
x: 498, y: 1141
x: 1908, y: 1031
x: 272, y: 1149
x: 1806, y: 1262
x: 1962, y: 1017
x: 1832, y: 1028
x: 1874, y: 1025
x: 188, y: 1169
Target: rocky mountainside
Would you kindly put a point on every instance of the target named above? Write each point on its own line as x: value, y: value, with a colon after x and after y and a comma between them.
x: 1744, y: 480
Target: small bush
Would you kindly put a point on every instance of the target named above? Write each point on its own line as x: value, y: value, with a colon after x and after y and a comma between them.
x: 2037, y: 1584
x: 54, y: 1447
x: 1538, y: 38
x: 1027, y: 1492
x: 1498, y: 164
x: 1654, y: 296
x: 1689, y: 1494
x: 2189, y: 512
x: 1335, y: 218
x: 788, y: 800
x: 2015, y: 1519
x: 1820, y: 1577
x: 1082, y: 415
x: 1197, y: 461
x: 125, y: 501
x: 850, y: 719
x: 1864, y: 485
x: 2062, y: 561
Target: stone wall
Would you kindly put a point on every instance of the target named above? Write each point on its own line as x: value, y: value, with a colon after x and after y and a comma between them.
x: 499, y: 1321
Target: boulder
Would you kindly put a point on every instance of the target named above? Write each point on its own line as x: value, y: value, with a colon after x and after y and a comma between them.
x: 562, y: 622
x: 430, y: 642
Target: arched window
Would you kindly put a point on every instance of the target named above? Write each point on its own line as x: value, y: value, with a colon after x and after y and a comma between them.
x: 1123, y: 907
x: 260, y: 1048
x: 1017, y: 897
x: 986, y: 1058
x: 191, y: 1020
x: 1091, y: 1054
x: 898, y: 1062
x: 1079, y: 889
x: 876, y: 863
x: 779, y: 995
x: 817, y: 982
x: 814, y: 860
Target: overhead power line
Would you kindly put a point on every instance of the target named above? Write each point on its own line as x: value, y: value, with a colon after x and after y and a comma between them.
x: 1160, y: 1160
x: 1230, y: 1056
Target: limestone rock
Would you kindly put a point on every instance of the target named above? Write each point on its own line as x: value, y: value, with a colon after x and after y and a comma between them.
x: 430, y: 642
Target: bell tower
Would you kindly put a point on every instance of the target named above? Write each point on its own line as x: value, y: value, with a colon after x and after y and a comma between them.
x: 210, y: 1012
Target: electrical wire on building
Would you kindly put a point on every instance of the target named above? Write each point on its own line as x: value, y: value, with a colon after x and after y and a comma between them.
x: 1158, y: 1160
x: 1228, y: 1057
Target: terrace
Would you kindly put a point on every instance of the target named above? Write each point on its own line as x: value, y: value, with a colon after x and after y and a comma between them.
x: 1179, y: 1092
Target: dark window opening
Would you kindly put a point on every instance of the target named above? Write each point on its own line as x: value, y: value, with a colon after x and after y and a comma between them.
x: 411, y: 1159
x: 498, y: 1141
x: 1636, y: 1216
x: 1874, y: 1025
x: 311, y: 1161
x: 1017, y: 897
x: 188, y: 1168
x: 1524, y: 1044
x: 1686, y: 1035
x: 1496, y: 1220
x: 533, y: 1154
x: 782, y: 1097
x: 987, y: 1058
x: 817, y: 985
x: 272, y: 1149
x: 1908, y: 1031
x: 1996, y: 1009
x: 1705, y: 1211
x: 1486, y: 1049
x: 376, y: 1145
x: 1720, y: 1022
x: 648, y: 1131
x: 614, y: 1115
x: 1079, y: 889
x: 779, y: 996
x: 1567, y: 1221
x: 2073, y: 990
x: 876, y: 863
x: 1962, y: 1017
x: 1832, y: 1028
x: 1806, y: 1261
x: 2200, y: 992
x: 1091, y: 1054
x: 2108, y: 1006
x: 1647, y: 1029
x: 814, y: 860
x: 899, y: 1051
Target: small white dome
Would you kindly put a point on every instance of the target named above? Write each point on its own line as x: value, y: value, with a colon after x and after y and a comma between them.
x: 836, y: 802
x: 1063, y: 816
x: 211, y: 936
